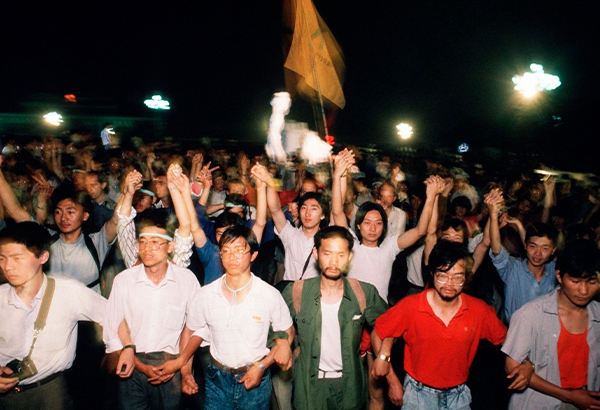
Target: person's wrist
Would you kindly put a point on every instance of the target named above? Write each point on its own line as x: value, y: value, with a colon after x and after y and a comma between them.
x: 384, y: 357
x: 260, y: 366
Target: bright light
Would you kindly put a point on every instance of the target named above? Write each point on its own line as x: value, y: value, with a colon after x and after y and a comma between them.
x: 157, y: 103
x: 111, y: 131
x: 53, y: 118
x: 462, y: 148
x: 404, y: 130
x: 531, y: 83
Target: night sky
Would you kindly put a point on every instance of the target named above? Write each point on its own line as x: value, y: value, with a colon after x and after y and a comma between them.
x: 444, y: 67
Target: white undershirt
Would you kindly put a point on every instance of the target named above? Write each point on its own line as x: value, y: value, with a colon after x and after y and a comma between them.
x: 331, y: 340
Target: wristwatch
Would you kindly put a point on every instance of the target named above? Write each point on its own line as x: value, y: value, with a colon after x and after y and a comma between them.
x: 384, y: 357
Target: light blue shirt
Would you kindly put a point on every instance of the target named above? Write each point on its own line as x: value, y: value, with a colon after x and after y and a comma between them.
x: 520, y: 285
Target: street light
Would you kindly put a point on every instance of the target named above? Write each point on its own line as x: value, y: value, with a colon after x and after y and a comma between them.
x: 157, y: 103
x: 404, y: 130
x: 53, y: 118
x: 529, y: 84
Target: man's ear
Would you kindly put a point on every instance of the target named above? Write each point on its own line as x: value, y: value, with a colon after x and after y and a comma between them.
x: 254, y: 255
x: 86, y: 216
x: 44, y: 257
x: 171, y: 247
x: 103, y: 186
x: 558, y: 278
x: 153, y: 200
x: 315, y: 253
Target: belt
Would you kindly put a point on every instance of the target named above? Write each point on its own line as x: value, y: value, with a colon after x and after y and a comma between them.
x: 227, y: 369
x: 420, y: 385
x: 157, y: 356
x: 329, y: 375
x: 25, y: 387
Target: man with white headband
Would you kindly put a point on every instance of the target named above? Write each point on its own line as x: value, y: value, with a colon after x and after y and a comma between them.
x: 153, y: 299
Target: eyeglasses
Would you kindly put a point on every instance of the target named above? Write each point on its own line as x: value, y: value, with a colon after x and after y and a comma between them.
x: 236, y: 253
x: 455, y: 280
x: 154, y: 245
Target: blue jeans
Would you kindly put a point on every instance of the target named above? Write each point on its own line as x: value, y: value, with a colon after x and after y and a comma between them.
x: 419, y: 397
x: 224, y: 391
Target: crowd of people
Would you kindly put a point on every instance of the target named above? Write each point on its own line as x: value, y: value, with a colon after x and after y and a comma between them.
x: 169, y: 278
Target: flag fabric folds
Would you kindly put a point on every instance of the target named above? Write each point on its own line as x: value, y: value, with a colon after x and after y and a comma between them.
x: 314, y: 59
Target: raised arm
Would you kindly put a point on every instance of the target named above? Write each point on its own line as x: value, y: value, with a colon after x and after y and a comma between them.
x: 44, y: 191
x: 12, y: 207
x: 273, y: 201
x: 431, y: 238
x: 343, y: 161
x: 435, y: 185
x: 261, y: 205
x: 494, y: 200
x: 178, y: 182
x: 549, y: 186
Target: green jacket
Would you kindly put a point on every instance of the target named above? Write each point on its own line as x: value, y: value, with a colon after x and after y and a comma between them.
x: 308, y: 325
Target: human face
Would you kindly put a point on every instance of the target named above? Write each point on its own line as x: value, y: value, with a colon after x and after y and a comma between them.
x: 219, y: 232
x: 79, y: 180
x: 237, y: 189
x: 142, y: 201
x: 460, y: 211
x: 237, y: 257
x: 311, y: 213
x: 69, y: 216
x: 524, y: 207
x: 150, y: 256
x: 453, y: 235
x: 94, y: 188
x: 539, y: 251
x: 160, y: 186
x: 218, y: 183
x: 19, y: 265
x: 387, y: 196
x: 371, y: 228
x: 578, y: 291
x: 114, y: 166
x: 333, y: 257
x: 448, y: 291
x: 308, y: 186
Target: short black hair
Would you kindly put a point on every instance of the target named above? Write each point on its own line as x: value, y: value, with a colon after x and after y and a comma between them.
x: 458, y: 225
x: 362, y: 212
x: 580, y: 259
x: 156, y: 217
x: 235, y: 232
x: 77, y: 197
x: 228, y: 219
x: 445, y: 254
x: 334, y: 232
x: 541, y: 230
x: 31, y: 234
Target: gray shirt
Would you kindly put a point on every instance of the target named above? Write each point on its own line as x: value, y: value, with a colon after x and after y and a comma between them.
x: 533, y: 333
x: 74, y: 260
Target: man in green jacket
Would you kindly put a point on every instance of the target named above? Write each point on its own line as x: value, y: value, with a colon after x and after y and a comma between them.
x: 329, y: 312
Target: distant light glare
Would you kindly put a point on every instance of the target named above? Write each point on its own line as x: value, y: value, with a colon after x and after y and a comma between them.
x: 404, y: 130
x: 53, y: 118
x: 462, y: 148
x: 531, y: 83
x: 111, y: 131
x: 157, y: 103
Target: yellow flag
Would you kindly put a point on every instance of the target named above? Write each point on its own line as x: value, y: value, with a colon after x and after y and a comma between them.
x: 314, y: 56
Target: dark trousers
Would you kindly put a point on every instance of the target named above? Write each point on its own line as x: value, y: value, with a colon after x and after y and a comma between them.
x: 50, y: 396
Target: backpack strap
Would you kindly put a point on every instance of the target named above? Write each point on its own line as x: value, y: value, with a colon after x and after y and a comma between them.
x: 359, y: 293
x: 297, y: 287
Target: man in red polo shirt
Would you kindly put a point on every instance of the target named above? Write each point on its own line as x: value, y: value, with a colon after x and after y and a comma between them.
x: 442, y: 328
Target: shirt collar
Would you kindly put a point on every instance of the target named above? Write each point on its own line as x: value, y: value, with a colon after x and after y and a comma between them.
x: 16, y: 301
x: 142, y: 277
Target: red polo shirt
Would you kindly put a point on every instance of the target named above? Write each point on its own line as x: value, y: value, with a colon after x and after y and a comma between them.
x: 435, y: 354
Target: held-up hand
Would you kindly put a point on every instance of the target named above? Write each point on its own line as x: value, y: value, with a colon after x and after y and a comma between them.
x: 6, y: 381
x: 176, y: 178
x: 197, y: 159
x: 260, y: 172
x: 494, y: 200
x: 252, y: 377
x: 434, y: 185
x: 204, y: 175
x: 343, y: 160
x: 133, y: 181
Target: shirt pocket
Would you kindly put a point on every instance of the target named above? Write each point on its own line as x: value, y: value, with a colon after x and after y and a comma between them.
x: 174, y: 317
